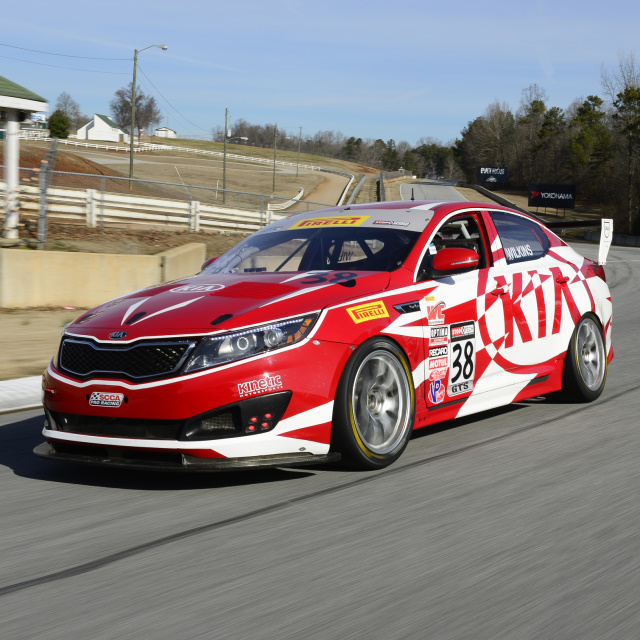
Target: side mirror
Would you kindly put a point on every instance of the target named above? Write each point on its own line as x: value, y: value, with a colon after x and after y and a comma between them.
x: 207, y: 262
x: 455, y: 259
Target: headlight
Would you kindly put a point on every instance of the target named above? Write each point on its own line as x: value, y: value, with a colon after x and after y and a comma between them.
x: 217, y: 350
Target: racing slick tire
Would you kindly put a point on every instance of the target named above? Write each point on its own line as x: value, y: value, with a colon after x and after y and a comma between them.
x: 585, y: 366
x: 374, y: 406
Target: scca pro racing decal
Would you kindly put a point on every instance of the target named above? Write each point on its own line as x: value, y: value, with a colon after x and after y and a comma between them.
x: 261, y: 385
x: 463, y: 358
x: 103, y: 399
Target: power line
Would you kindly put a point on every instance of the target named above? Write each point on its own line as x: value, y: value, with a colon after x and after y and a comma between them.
x: 65, y: 55
x: 160, y: 94
x: 57, y: 66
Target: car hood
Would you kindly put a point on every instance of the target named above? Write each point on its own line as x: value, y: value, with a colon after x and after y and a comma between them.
x: 209, y: 303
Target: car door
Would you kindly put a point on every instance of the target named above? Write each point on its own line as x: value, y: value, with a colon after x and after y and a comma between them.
x: 456, y: 360
x: 533, y: 335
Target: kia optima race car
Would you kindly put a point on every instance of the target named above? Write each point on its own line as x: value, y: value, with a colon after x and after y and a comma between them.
x: 330, y: 335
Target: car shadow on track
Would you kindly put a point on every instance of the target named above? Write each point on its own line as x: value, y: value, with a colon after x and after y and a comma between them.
x: 19, y: 438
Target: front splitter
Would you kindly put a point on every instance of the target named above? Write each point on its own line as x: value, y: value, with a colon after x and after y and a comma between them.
x: 185, y: 463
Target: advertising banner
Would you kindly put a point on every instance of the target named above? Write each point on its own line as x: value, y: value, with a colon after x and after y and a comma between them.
x: 558, y: 196
x: 492, y: 174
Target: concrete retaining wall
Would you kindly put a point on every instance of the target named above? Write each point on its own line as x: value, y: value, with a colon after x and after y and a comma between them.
x: 57, y: 279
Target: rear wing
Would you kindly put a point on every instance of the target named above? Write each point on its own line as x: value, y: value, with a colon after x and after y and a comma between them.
x: 606, y: 232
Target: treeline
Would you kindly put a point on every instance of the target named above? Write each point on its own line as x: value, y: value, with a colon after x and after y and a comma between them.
x: 428, y: 157
x: 594, y: 143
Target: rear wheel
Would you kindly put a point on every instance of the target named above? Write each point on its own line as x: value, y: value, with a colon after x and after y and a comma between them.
x: 585, y: 366
x: 374, y: 407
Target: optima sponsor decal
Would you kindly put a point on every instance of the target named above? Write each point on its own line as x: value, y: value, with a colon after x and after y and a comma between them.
x: 197, y: 288
x: 438, y: 335
x: 253, y: 387
x: 102, y: 399
x: 330, y: 221
x: 369, y: 311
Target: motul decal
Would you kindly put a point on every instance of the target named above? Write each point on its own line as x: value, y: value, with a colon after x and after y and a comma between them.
x: 330, y: 221
x: 368, y: 311
x: 253, y: 387
x: 104, y: 399
x: 438, y: 363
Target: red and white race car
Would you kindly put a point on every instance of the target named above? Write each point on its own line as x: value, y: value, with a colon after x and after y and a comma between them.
x: 331, y: 334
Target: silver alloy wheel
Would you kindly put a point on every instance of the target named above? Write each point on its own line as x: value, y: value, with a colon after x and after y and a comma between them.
x: 381, y: 402
x: 590, y: 354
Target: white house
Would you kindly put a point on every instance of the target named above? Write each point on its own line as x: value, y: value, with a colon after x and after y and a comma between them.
x: 102, y: 128
x: 165, y: 132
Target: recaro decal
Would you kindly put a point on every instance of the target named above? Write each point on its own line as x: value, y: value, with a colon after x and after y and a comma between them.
x: 368, y: 311
x: 330, y: 221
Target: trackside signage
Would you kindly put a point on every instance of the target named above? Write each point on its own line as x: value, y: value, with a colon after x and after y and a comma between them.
x: 491, y: 174
x: 558, y: 196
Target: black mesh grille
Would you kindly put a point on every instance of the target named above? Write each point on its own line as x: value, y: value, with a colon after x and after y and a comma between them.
x: 146, y: 360
x: 118, y: 427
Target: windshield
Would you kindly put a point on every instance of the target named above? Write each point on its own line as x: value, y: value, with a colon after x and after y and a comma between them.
x: 355, y: 249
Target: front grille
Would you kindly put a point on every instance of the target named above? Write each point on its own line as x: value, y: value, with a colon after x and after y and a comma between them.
x: 113, y: 427
x: 82, y: 358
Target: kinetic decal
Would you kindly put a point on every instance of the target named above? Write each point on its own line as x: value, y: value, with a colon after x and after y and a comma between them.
x: 368, y: 311
x: 330, y: 221
x: 104, y: 399
x: 253, y: 387
x: 463, y: 358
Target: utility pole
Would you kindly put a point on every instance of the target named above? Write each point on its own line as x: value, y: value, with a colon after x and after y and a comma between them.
x: 299, y: 142
x: 224, y: 160
x: 275, y: 147
x: 133, y: 118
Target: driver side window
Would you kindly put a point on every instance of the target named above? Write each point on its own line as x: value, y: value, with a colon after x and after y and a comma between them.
x: 461, y: 232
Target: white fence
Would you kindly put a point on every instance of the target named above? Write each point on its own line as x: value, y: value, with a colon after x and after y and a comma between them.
x: 96, y: 209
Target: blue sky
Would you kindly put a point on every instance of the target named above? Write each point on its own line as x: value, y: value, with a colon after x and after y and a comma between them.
x: 372, y: 70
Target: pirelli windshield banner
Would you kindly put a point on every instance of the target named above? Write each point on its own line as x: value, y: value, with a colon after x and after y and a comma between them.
x: 492, y: 174
x: 558, y: 196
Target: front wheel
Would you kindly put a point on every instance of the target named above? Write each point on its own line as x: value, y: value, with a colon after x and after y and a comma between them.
x: 374, y: 407
x: 585, y: 367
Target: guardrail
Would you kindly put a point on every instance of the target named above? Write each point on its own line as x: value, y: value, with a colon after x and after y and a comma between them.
x: 288, y: 203
x: 99, y: 209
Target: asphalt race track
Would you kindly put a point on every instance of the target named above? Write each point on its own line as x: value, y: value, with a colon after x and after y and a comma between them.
x: 520, y: 523
x: 435, y: 189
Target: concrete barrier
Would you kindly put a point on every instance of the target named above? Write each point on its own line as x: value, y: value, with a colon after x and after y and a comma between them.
x: 57, y: 278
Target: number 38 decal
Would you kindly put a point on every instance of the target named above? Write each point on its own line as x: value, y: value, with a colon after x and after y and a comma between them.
x: 463, y: 358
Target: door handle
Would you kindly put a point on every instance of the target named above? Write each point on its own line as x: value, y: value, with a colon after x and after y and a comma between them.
x: 562, y: 279
x: 500, y: 291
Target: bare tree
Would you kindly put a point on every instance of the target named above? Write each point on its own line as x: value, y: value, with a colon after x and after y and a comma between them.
x: 147, y: 111
x: 71, y: 109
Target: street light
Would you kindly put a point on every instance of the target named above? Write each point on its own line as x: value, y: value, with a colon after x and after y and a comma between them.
x: 164, y: 47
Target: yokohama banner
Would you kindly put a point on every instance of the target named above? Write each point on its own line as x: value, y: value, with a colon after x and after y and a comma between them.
x: 558, y: 196
x: 491, y: 174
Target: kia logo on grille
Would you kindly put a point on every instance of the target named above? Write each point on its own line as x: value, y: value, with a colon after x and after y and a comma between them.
x: 117, y: 335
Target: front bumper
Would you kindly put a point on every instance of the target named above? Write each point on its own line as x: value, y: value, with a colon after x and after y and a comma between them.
x: 173, y: 460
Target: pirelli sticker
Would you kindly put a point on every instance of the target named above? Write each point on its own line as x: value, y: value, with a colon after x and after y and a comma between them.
x: 368, y: 311
x: 330, y: 221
